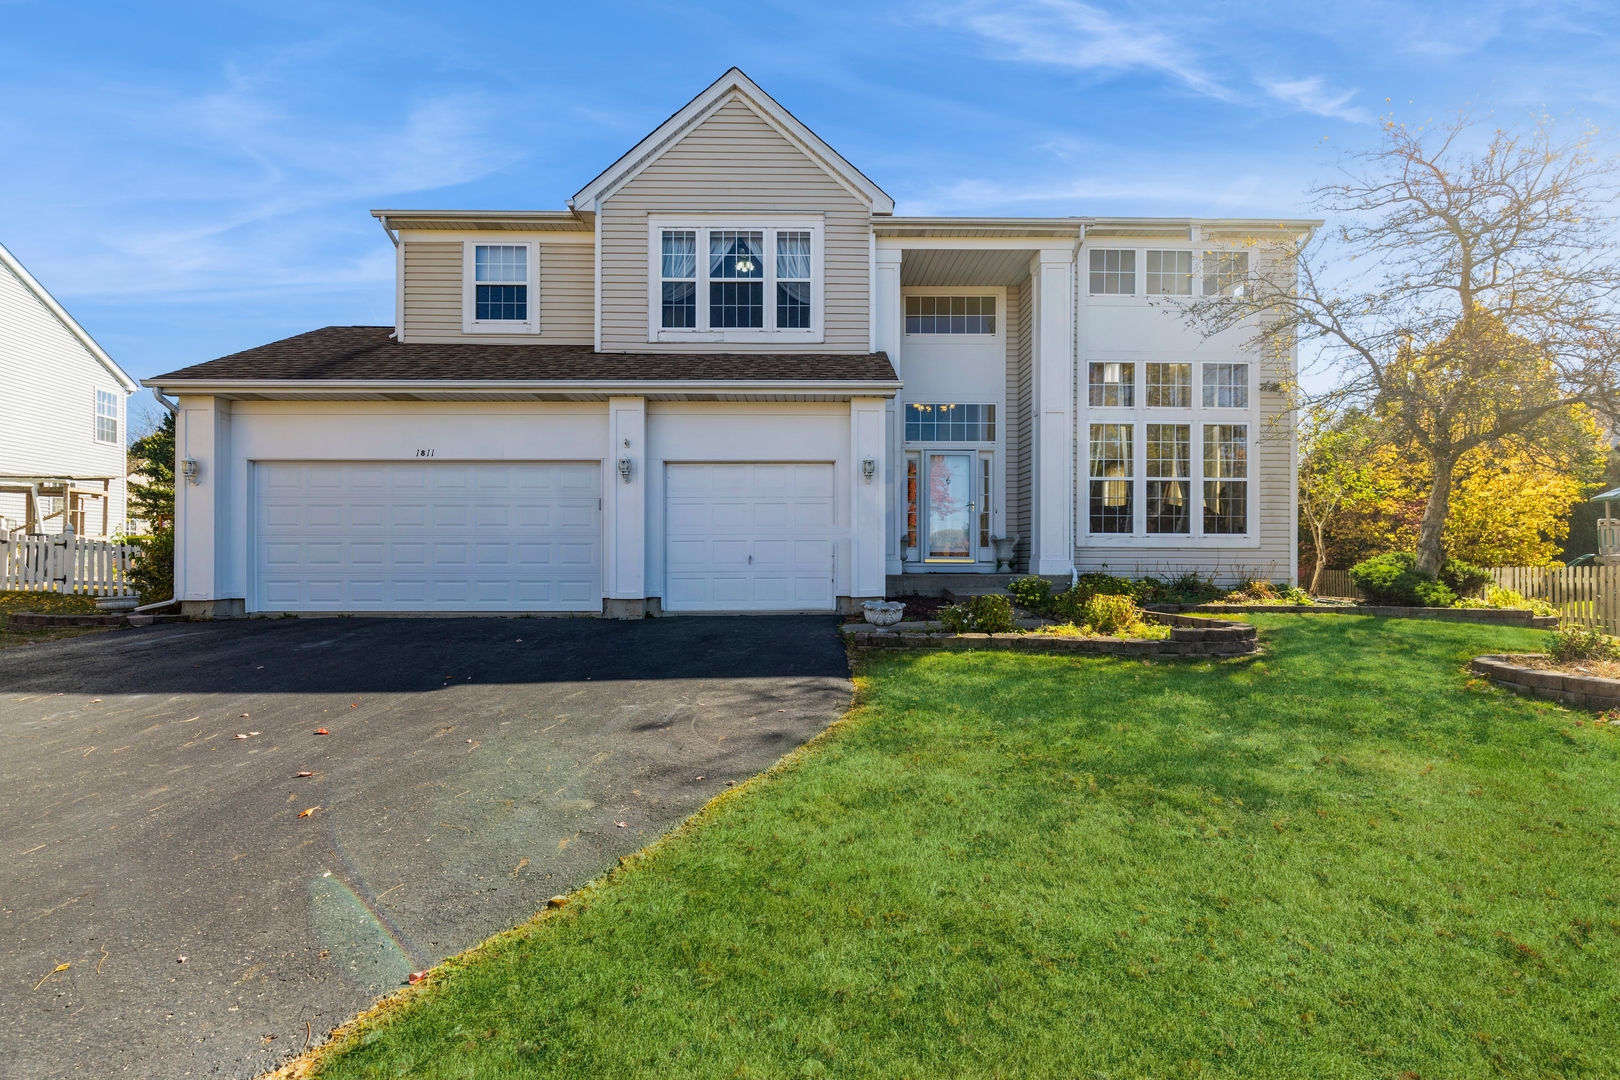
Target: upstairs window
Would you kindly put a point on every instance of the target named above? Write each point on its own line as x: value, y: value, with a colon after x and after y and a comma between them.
x: 106, y: 416
x: 1112, y: 386
x: 1169, y: 273
x: 951, y: 315
x: 734, y: 282
x: 1226, y: 273
x: 1113, y: 272
x: 950, y: 423
x: 498, y: 289
x: 1226, y: 386
x: 1169, y: 386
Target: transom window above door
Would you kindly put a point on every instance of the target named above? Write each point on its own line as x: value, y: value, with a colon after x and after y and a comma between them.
x: 745, y: 283
x: 951, y: 423
x: 951, y: 315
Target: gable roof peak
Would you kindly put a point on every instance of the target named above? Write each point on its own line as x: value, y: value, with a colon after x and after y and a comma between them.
x: 69, y: 323
x: 733, y: 85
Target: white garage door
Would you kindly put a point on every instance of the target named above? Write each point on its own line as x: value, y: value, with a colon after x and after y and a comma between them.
x: 749, y: 538
x: 350, y: 536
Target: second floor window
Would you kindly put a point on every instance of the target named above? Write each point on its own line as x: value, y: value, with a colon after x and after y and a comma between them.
x: 106, y: 416
x: 950, y: 423
x: 1226, y: 386
x: 1169, y: 273
x: 742, y: 283
x: 950, y: 315
x: 1113, y: 272
x: 1169, y: 386
x: 1226, y: 273
x: 1112, y: 385
x: 501, y: 275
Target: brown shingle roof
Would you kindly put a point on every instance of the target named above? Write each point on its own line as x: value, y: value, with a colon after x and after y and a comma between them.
x: 365, y: 353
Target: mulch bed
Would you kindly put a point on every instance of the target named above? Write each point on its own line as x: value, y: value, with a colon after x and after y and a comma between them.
x: 918, y: 608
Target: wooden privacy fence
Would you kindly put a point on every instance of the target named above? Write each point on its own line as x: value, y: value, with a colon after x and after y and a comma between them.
x: 66, y: 563
x: 1587, y: 596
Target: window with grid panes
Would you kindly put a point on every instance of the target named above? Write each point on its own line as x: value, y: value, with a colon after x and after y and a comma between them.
x: 1112, y: 385
x: 950, y: 315
x: 106, y: 416
x: 500, y: 277
x: 736, y: 279
x: 1226, y: 485
x: 1168, y: 273
x: 1226, y: 273
x: 1113, y: 272
x: 1169, y: 478
x: 792, y: 280
x: 1169, y: 386
x: 950, y: 423
x: 1110, y: 472
x: 1226, y: 386
x: 678, y: 271
x: 984, y: 503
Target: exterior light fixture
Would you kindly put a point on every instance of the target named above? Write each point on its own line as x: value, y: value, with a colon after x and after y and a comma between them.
x: 624, y: 469
x: 190, y: 470
x: 868, y: 469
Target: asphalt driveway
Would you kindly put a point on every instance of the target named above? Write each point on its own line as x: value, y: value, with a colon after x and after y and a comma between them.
x: 473, y: 768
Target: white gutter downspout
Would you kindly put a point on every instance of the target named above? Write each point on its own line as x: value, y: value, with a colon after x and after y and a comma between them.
x: 399, y: 278
x: 1074, y: 431
x: 174, y: 409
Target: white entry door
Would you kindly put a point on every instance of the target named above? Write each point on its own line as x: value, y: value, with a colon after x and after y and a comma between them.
x: 749, y: 537
x: 364, y: 536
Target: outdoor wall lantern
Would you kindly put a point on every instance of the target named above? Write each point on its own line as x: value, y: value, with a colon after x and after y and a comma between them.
x: 190, y: 470
x: 624, y: 469
x: 869, y: 469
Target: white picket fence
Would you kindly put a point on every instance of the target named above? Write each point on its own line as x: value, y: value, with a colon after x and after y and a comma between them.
x: 67, y: 563
x: 1587, y: 596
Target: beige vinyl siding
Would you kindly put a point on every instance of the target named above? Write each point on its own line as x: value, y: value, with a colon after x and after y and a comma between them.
x: 1021, y: 416
x: 433, y: 294
x: 48, y: 406
x: 733, y: 162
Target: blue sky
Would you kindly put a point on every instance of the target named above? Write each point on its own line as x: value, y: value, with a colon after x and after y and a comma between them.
x: 195, y: 179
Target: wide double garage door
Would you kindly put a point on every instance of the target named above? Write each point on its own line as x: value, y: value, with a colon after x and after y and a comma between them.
x: 362, y: 536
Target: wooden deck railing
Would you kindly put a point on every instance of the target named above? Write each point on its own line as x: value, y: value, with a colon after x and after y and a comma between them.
x: 67, y: 563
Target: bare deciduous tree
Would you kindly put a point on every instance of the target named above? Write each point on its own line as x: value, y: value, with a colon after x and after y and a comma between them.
x: 1470, y: 293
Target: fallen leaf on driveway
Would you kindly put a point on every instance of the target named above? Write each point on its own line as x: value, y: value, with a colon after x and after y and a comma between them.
x: 306, y: 774
x: 622, y: 824
x: 356, y: 705
x: 240, y: 736
x: 322, y: 731
x: 53, y: 971
x: 244, y: 716
x: 253, y: 733
x: 700, y: 778
x: 306, y: 813
x: 415, y: 977
x: 179, y: 959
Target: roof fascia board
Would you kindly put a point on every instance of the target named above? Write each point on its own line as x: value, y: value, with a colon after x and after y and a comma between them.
x: 718, y: 93
x: 619, y: 386
x: 72, y: 324
x: 971, y: 243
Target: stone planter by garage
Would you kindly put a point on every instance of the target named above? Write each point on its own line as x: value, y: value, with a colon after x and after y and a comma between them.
x: 1580, y: 691
x: 1190, y: 636
x: 1489, y: 616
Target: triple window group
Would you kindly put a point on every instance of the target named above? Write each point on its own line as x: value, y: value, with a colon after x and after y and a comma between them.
x: 1169, y: 480
x: 737, y: 272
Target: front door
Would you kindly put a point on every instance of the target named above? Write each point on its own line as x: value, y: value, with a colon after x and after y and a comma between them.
x: 949, y: 507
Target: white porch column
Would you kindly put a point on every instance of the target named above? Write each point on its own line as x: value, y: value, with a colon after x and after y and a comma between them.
x: 203, y: 545
x: 1052, y: 512
x: 888, y: 323
x: 624, y: 509
x: 867, y: 442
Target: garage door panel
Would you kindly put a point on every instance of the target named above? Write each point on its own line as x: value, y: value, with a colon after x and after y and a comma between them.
x: 748, y: 537
x: 335, y: 536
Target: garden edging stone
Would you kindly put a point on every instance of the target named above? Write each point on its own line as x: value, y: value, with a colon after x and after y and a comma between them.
x: 1491, y: 616
x: 1189, y: 636
x: 1582, y: 691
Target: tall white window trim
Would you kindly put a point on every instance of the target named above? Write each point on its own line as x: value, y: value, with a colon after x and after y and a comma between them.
x: 1226, y: 273
x: 1169, y: 273
x: 1113, y: 272
x: 500, y: 294
x: 1226, y: 484
x: 735, y: 281
x: 106, y: 416
x: 1226, y: 386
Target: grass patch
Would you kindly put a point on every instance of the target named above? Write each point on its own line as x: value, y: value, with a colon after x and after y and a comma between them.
x: 44, y: 603
x: 1343, y: 859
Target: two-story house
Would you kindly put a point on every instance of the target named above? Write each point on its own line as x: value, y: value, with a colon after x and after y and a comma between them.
x: 729, y: 378
x: 61, y: 417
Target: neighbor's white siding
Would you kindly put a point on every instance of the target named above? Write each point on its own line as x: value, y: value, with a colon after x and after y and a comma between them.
x: 433, y: 292
x: 48, y: 384
x: 733, y: 161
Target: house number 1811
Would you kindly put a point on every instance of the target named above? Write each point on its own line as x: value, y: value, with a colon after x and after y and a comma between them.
x: 424, y: 453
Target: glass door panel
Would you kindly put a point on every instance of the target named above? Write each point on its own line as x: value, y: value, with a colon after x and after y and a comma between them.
x: 950, y: 507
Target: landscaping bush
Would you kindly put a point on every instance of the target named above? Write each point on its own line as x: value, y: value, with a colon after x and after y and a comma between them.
x: 1578, y: 643
x: 1464, y: 579
x: 1032, y: 594
x: 1498, y: 597
x: 153, y: 573
x: 1433, y: 594
x: 1392, y: 578
x: 1111, y: 613
x: 1187, y: 588
x: 979, y: 615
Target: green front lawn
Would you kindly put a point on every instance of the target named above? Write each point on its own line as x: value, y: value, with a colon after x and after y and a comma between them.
x: 44, y: 603
x: 1343, y: 859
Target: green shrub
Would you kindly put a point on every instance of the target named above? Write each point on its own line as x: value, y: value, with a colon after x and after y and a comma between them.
x: 1187, y: 588
x: 1032, y: 594
x: 1433, y: 594
x: 1578, y: 643
x: 1498, y: 597
x: 1392, y: 578
x: 1111, y: 613
x: 1464, y: 579
x: 979, y: 615
x: 153, y: 573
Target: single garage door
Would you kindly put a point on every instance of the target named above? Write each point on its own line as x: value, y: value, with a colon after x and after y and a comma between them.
x: 352, y: 536
x: 749, y: 537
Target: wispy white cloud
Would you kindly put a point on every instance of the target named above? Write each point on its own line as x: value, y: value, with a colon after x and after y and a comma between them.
x: 1072, y: 34
x: 1313, y: 96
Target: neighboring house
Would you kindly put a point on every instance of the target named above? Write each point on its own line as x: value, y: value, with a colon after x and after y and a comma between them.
x: 729, y: 378
x: 61, y: 416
